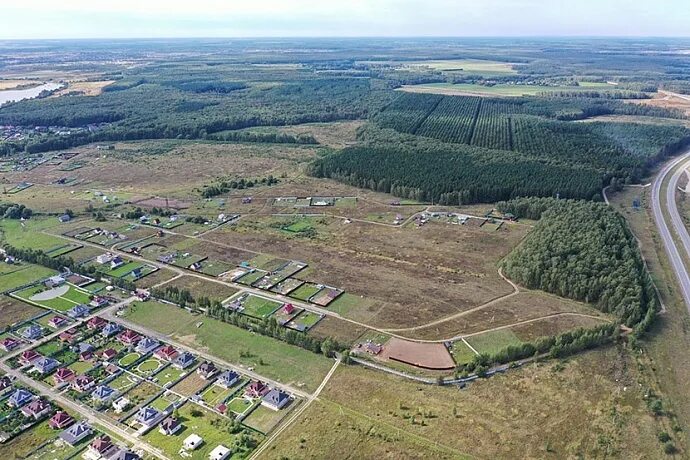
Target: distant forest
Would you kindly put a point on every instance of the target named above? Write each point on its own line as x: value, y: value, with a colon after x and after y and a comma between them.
x: 458, y: 150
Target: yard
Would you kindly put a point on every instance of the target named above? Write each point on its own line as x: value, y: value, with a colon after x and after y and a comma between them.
x: 25, y: 275
x: 305, y: 291
x: 13, y: 311
x: 269, y: 357
x: 212, y: 428
x: 61, y: 299
x: 304, y: 321
x: 129, y: 359
x: 148, y: 367
x: 190, y: 385
x: 215, y: 395
x: 239, y: 405
x: 123, y: 382
x: 168, y: 376
x: 259, y: 307
x: 264, y: 419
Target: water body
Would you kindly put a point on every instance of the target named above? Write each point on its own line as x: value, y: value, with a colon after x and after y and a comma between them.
x: 13, y: 95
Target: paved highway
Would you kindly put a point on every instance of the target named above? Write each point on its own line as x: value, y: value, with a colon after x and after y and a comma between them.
x: 676, y: 222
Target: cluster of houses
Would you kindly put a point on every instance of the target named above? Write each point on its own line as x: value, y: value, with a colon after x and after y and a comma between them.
x: 113, y: 260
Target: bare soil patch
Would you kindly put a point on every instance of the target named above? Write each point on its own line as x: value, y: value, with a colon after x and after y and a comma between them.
x: 433, y: 356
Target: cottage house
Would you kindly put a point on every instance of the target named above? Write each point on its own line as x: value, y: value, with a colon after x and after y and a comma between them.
x: 116, y: 262
x: 184, y: 360
x: 28, y: 357
x: 56, y: 322
x: 227, y: 379
x: 206, y: 370
x: 147, y: 345
x: 103, y: 394
x: 256, y: 389
x: 96, y: 322
x: 219, y: 453
x: 110, y: 329
x: 108, y: 354
x: 45, y: 365
x: 83, y: 383
x: 60, y: 420
x: 129, y: 337
x: 63, y: 375
x: 36, y: 409
x: 148, y: 417
x: 167, y: 353
x: 32, y: 332
x: 76, y: 433
x: 169, y: 426
x: 78, y: 311
x: 275, y: 399
x: 100, y: 447
x: 8, y: 344
x: 19, y: 398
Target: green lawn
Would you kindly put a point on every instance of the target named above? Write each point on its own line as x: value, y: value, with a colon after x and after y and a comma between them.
x: 168, y: 375
x: 80, y: 367
x: 148, y: 367
x: 125, y: 269
x: 215, y: 267
x: 63, y: 303
x: 259, y: 307
x: 31, y: 234
x: 28, y: 274
x: 305, y: 291
x: 307, y: 319
x: 249, y: 278
x: 129, y: 359
x: 269, y: 357
x: 265, y: 419
x: 123, y: 382
x: 215, y: 395
x: 492, y: 342
x: 461, y: 352
x: 239, y: 405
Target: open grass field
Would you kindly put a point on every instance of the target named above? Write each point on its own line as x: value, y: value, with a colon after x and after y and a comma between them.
x: 468, y: 66
x: 212, y: 428
x: 379, y: 266
x: 461, y: 352
x: 27, y: 274
x: 14, y: 311
x: 494, y: 341
x: 461, y: 89
x: 572, y: 401
x: 525, y: 306
x: 269, y: 357
x: 203, y: 288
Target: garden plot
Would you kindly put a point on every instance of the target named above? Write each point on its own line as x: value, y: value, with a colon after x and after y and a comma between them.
x: 191, y: 385
x: 215, y: 395
x: 212, y: 428
x: 304, y: 321
x: 14, y: 311
x: 62, y: 250
x: 306, y: 291
x: 163, y: 222
x: 286, y: 314
x: 235, y: 273
x: 325, y: 296
x: 254, y: 306
x: 164, y: 401
x: 215, y: 267
x: 275, y: 277
x: 61, y: 298
x: 251, y: 277
x: 286, y: 286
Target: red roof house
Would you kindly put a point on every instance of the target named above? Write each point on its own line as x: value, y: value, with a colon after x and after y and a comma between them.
x: 9, y: 344
x: 288, y: 309
x: 129, y: 337
x: 96, y: 323
x: 60, y: 421
x: 28, y: 356
x: 63, y: 375
x: 108, y: 354
x: 256, y: 389
x: 167, y: 353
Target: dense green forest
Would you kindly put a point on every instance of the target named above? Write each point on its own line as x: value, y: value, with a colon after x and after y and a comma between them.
x: 175, y: 102
x: 458, y: 150
x: 429, y: 170
x: 583, y: 251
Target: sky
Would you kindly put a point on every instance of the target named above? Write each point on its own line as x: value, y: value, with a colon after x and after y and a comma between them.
x: 33, y: 19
